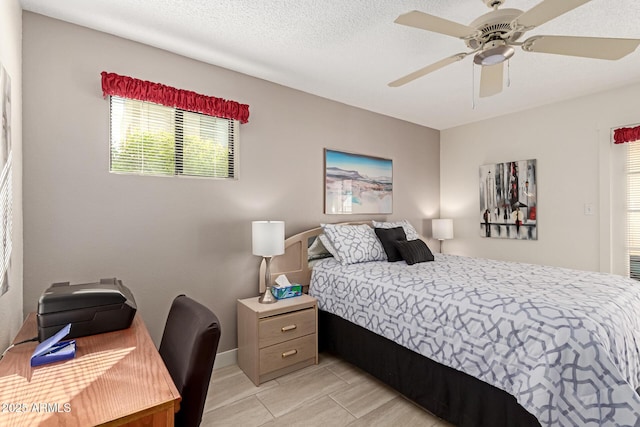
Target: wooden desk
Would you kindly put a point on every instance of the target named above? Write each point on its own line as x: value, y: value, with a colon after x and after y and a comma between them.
x: 116, y: 378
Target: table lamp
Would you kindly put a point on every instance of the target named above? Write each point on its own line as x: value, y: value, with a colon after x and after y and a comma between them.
x: 442, y: 229
x: 268, y: 241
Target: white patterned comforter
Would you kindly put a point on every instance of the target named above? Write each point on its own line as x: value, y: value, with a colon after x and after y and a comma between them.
x: 565, y: 343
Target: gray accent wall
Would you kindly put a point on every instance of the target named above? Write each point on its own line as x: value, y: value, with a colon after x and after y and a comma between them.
x: 167, y: 236
x: 11, y: 58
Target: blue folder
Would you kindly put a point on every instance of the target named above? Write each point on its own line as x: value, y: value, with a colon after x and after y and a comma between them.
x: 53, y: 350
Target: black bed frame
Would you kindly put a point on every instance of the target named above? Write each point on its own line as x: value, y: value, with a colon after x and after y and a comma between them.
x: 450, y: 394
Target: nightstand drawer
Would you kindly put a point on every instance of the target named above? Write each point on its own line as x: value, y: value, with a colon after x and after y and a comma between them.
x: 286, y: 327
x: 288, y: 353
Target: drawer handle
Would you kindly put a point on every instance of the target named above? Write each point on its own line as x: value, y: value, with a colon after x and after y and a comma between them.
x: 288, y: 328
x: 289, y: 353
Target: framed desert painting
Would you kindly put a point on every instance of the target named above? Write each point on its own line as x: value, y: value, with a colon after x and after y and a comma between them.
x: 357, y: 184
x: 509, y: 200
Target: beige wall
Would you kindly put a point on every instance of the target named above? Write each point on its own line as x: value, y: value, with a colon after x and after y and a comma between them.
x: 571, y: 142
x: 165, y: 236
x: 11, y: 59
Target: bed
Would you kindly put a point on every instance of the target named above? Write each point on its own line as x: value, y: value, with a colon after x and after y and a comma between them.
x: 481, y: 342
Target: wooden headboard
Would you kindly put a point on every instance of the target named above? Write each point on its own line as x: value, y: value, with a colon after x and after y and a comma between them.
x: 294, y: 263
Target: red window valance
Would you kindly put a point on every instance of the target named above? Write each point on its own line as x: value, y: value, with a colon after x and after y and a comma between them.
x: 622, y: 135
x: 128, y: 87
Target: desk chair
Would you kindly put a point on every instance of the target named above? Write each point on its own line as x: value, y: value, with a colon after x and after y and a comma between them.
x: 188, y: 348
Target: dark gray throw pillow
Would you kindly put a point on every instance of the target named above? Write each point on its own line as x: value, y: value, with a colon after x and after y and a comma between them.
x: 388, y: 236
x: 413, y: 251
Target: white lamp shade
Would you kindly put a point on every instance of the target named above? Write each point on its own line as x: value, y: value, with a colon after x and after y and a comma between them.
x: 442, y: 229
x: 267, y: 237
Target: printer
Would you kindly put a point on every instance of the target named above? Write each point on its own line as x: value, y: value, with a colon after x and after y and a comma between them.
x: 91, y: 308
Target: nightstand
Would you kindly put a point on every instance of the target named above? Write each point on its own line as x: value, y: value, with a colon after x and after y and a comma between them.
x: 275, y: 339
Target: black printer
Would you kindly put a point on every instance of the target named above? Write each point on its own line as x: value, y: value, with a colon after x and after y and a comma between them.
x: 91, y: 308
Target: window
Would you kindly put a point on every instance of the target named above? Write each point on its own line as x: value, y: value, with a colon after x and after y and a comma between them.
x: 152, y: 139
x: 633, y: 208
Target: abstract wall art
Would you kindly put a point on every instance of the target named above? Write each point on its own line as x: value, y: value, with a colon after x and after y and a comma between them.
x: 509, y: 200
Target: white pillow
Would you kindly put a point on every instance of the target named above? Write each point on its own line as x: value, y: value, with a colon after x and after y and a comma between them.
x: 411, y: 232
x: 354, y: 243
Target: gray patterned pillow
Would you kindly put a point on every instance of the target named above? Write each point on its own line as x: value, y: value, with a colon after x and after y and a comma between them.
x: 355, y: 243
x: 411, y: 232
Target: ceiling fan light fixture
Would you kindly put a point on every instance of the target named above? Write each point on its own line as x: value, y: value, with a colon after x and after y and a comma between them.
x: 494, y: 55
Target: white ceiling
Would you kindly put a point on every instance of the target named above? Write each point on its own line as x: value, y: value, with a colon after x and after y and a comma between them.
x: 348, y: 50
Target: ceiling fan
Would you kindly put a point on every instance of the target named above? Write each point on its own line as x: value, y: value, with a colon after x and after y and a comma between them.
x: 492, y: 38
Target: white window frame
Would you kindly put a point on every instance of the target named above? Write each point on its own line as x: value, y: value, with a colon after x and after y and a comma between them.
x: 633, y: 209
x: 613, y: 206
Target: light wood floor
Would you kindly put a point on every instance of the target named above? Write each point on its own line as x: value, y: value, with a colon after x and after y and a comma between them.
x: 332, y: 393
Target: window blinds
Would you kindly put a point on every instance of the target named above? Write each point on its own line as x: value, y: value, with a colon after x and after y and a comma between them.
x: 152, y: 139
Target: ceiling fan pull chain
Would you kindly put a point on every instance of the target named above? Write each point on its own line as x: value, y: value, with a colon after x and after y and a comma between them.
x: 508, y: 73
x: 473, y: 87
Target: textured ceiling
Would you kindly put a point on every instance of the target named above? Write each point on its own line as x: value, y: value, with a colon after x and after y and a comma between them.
x: 349, y: 50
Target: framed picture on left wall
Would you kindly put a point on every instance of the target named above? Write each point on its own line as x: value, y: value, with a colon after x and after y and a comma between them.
x: 357, y: 183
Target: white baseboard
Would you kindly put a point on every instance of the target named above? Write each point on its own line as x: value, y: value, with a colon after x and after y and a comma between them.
x: 226, y: 358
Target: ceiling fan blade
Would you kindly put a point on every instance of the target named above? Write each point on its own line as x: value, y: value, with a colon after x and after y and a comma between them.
x: 546, y: 11
x: 433, y: 23
x: 428, y: 69
x: 491, y: 78
x: 587, y: 47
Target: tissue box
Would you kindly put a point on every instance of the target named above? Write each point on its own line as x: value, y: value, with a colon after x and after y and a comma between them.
x: 281, y: 292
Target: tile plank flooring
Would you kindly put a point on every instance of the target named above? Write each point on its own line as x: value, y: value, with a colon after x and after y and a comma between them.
x: 332, y: 393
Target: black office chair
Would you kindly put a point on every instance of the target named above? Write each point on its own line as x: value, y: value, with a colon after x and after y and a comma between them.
x: 188, y: 348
